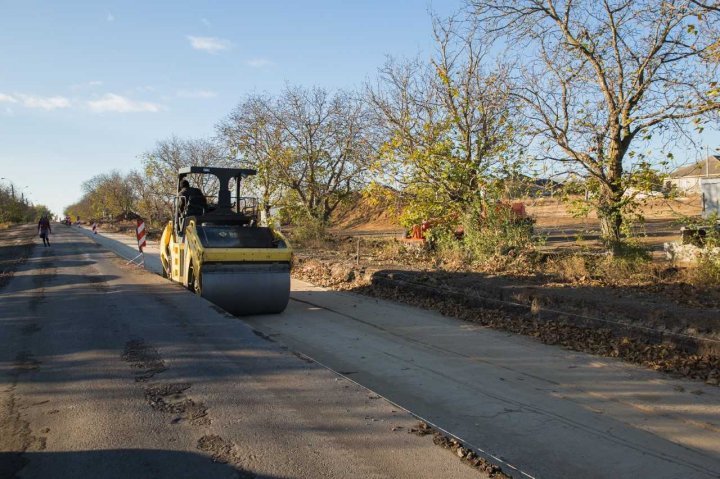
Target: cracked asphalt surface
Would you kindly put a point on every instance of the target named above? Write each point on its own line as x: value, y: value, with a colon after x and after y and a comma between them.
x: 110, y: 371
x: 548, y: 411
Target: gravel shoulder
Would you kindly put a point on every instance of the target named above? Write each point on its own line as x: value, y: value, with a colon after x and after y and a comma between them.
x: 16, y: 244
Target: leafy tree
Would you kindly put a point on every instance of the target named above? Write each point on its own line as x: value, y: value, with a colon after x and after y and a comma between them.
x: 599, y: 78
x: 447, y: 124
x: 15, y: 208
x: 82, y: 209
x: 148, y: 204
x: 111, y: 195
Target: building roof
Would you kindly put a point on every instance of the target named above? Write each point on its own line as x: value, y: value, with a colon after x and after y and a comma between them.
x: 699, y: 168
x: 530, y: 180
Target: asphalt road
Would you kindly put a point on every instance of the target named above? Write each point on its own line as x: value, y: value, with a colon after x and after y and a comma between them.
x: 548, y: 411
x: 109, y: 371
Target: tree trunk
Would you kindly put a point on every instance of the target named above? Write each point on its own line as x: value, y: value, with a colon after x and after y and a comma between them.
x: 611, y: 218
x: 266, y: 207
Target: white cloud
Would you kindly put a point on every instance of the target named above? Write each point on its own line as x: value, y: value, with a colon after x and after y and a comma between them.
x: 43, y: 103
x: 86, y: 85
x: 260, y: 63
x: 196, y: 94
x: 120, y: 104
x: 32, y: 101
x: 209, y: 44
x: 110, y: 17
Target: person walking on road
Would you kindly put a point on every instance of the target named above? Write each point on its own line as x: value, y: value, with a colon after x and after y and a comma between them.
x: 44, y: 230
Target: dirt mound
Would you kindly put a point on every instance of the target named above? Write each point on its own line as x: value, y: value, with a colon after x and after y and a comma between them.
x: 367, y: 214
x: 556, y: 212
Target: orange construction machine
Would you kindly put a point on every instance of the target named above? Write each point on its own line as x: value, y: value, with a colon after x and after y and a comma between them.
x: 516, y: 211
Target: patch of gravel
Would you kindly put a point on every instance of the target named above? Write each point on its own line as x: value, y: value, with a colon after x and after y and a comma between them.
x: 461, y: 451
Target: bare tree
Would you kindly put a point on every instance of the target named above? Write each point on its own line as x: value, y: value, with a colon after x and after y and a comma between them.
x: 162, y: 163
x: 328, y: 143
x: 600, y: 77
x: 252, y: 134
x: 446, y: 122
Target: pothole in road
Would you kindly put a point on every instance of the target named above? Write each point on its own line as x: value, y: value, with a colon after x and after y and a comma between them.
x: 170, y: 398
x: 144, y: 358
x: 224, y: 452
x: 221, y: 450
x: 167, y: 398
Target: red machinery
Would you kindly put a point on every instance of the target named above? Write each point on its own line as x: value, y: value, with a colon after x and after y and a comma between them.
x: 416, y: 234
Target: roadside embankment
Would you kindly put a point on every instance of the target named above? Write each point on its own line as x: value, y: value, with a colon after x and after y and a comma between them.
x: 16, y: 243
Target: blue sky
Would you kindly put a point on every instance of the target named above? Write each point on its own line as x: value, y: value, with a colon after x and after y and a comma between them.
x: 87, y: 86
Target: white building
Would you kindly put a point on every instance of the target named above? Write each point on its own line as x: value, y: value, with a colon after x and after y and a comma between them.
x: 710, y: 189
x: 687, y: 179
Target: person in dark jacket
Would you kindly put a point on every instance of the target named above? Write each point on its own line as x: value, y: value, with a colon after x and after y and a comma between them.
x: 44, y: 230
x: 192, y: 200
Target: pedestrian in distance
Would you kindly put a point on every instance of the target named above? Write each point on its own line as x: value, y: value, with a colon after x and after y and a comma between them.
x: 44, y: 230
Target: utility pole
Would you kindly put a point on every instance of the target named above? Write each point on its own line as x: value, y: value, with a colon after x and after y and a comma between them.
x: 707, y: 162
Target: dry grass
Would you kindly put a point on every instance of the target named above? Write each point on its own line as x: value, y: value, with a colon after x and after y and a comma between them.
x: 569, y: 268
x: 550, y: 212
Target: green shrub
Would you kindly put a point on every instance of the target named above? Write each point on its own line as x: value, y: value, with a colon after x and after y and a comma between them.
x: 707, y: 272
x: 308, y: 230
x: 493, y: 230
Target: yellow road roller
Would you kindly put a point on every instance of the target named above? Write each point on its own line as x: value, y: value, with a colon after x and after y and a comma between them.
x: 218, y: 249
